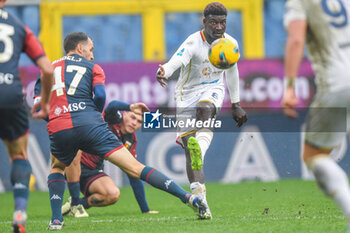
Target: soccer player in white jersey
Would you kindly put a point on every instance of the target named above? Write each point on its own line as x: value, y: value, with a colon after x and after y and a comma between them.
x: 200, y: 91
x: 324, y: 26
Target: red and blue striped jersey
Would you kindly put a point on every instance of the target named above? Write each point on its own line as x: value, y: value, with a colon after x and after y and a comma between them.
x: 15, y: 38
x: 71, y: 103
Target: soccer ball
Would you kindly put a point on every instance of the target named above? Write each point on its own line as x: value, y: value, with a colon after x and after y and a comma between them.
x: 223, y: 54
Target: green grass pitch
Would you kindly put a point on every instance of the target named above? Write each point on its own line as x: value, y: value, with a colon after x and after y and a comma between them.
x: 285, y: 206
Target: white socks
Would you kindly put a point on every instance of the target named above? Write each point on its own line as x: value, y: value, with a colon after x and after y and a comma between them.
x: 332, y: 180
x: 204, y: 137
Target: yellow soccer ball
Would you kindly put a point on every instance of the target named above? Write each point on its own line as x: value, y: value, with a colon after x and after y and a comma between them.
x: 223, y: 54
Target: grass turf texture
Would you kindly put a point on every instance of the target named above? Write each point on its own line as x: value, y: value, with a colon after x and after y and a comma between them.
x: 285, y: 206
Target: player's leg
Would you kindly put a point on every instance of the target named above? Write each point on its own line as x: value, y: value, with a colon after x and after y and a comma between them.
x: 326, y: 129
x: 64, y: 147
x: 330, y: 177
x: 20, y: 176
x: 72, y: 173
x: 14, y: 127
x: 56, y: 183
x: 199, y: 144
x: 124, y: 160
x: 102, y: 192
x: 196, y: 178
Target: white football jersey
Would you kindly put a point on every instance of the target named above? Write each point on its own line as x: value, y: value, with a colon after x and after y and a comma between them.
x: 327, y: 40
x: 197, y: 73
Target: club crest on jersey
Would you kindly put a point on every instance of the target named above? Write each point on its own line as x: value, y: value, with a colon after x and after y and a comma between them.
x: 58, y: 111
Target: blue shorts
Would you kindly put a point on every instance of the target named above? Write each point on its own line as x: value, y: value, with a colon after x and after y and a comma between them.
x: 13, y: 123
x: 94, y: 139
x: 88, y: 176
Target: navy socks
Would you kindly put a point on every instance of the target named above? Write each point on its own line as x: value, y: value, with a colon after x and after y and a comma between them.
x: 74, y: 191
x: 56, y: 183
x: 20, y: 176
x: 161, y: 181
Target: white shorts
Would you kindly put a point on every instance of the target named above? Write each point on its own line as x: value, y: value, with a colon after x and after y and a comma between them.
x: 186, y: 108
x: 328, y: 118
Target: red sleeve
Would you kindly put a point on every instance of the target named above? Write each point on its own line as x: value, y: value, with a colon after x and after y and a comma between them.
x: 32, y: 46
x: 98, y: 76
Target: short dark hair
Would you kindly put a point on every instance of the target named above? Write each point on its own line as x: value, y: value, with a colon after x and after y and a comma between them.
x: 73, y: 39
x: 215, y: 8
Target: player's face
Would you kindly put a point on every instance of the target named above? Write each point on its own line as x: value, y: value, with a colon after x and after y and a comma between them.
x: 88, y: 50
x: 214, y: 27
x: 132, y: 122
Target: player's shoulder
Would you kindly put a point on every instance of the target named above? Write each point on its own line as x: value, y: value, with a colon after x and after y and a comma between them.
x: 11, y: 19
x: 231, y: 38
x: 193, y: 39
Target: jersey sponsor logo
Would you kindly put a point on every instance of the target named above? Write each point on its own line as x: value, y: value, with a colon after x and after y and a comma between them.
x: 214, y: 95
x: 74, y: 107
x: 6, y: 78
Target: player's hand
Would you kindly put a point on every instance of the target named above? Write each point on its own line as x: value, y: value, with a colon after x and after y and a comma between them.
x: 40, y: 110
x: 160, y: 76
x: 152, y: 212
x: 289, y: 102
x: 239, y: 115
x: 139, y: 108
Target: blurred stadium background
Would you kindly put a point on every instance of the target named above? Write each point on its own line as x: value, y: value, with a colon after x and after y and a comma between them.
x: 132, y: 37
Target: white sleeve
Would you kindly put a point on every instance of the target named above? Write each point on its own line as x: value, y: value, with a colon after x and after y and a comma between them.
x: 294, y: 11
x: 232, y: 81
x: 181, y: 57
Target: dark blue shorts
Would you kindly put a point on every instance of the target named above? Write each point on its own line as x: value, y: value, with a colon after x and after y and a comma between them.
x: 13, y: 123
x: 88, y: 176
x: 94, y: 139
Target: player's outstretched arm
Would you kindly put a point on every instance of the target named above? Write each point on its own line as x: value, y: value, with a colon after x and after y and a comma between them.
x: 238, y: 114
x: 41, y: 109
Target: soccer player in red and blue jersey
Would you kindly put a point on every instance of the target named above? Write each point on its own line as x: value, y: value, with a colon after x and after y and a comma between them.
x: 98, y: 188
x: 75, y: 123
x: 15, y: 38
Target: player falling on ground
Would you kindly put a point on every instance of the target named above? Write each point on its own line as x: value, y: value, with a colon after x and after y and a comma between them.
x: 324, y: 26
x: 75, y: 123
x: 15, y: 37
x: 200, y: 91
x: 98, y: 188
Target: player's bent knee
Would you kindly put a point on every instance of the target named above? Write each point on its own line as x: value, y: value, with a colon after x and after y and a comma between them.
x: 205, y: 110
x: 311, y: 151
x: 113, y: 197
